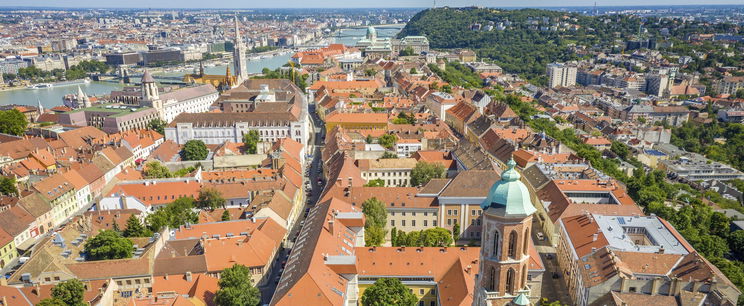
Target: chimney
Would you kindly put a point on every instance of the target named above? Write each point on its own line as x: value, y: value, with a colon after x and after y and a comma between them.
x: 188, y: 276
x: 350, y: 181
x: 655, y: 285
x: 624, y: 284
x: 331, y: 228
x: 165, y: 276
x: 594, y: 237
x: 661, y: 250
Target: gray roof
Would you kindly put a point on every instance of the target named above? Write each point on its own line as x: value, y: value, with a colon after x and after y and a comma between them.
x: 147, y: 78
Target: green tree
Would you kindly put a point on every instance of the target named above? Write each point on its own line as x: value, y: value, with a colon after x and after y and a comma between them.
x: 388, y: 291
x: 194, y: 150
x: 389, y: 155
x: 423, y: 172
x: 393, y: 236
x: 155, y: 169
x: 413, y: 71
x: 408, y: 51
x: 620, y: 149
x: 210, y: 198
x: 225, y: 215
x: 251, y: 141
x: 51, y: 302
x: 374, y: 236
x: 369, y: 139
x: 375, y: 212
x: 13, y: 122
x: 456, y: 231
x: 736, y: 243
x: 157, y: 125
x: 711, y: 246
x: 135, y: 228
x: 436, y: 237
x: 8, y: 185
x: 387, y: 140
x: 375, y: 183
x: 236, y: 288
x: 108, y: 245
x: 70, y: 292
x: 173, y: 215
x: 739, y: 94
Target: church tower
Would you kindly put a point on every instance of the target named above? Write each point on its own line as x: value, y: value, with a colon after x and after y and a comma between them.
x: 504, y: 258
x: 150, y: 94
x: 239, y: 60
x: 82, y: 98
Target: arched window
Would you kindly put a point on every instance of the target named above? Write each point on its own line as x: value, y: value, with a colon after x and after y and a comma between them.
x: 512, y: 244
x: 523, y: 284
x: 496, y: 243
x: 492, y: 280
x: 526, y: 241
x: 510, y: 281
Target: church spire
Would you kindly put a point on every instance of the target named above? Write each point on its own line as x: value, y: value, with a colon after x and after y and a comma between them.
x: 240, y: 62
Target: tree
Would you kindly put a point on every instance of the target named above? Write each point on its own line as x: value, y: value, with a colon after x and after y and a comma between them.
x: 155, y: 169
x: 8, y: 185
x: 13, y: 122
x: 375, y: 212
x: 456, y: 231
x: 393, y: 236
x: 236, y: 288
x: 740, y: 94
x: 251, y: 141
x: 194, y: 150
x: 375, y: 183
x: 436, y: 237
x: 620, y: 149
x: 210, y: 198
x: 389, y: 155
x: 225, y: 215
x: 711, y: 246
x: 413, y: 71
x: 387, y: 140
x: 173, y: 215
x: 369, y: 139
x: 70, y: 292
x: 374, y: 236
x: 51, y: 302
x: 135, y: 228
x: 157, y: 125
x: 108, y: 244
x: 408, y: 51
x: 388, y: 291
x: 736, y: 243
x: 423, y: 172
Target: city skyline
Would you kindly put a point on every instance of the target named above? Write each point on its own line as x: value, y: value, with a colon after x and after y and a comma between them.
x: 235, y: 4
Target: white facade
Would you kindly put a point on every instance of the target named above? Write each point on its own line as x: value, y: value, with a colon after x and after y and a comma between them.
x: 561, y: 75
x: 406, y: 149
x: 216, y: 134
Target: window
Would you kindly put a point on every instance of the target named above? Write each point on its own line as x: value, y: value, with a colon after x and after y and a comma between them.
x: 426, y: 222
x: 496, y: 244
x: 402, y: 222
x: 421, y: 291
x: 492, y: 280
x: 449, y: 212
x: 632, y: 289
x: 426, y: 214
x: 434, y: 223
x: 403, y: 213
x: 512, y: 244
x: 449, y: 222
x: 421, y: 303
x: 413, y: 222
x: 412, y: 213
x: 510, y: 281
x: 455, y: 212
x: 472, y: 212
x: 526, y: 241
x: 392, y: 222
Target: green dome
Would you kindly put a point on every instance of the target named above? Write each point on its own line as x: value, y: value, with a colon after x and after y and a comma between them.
x: 510, y: 193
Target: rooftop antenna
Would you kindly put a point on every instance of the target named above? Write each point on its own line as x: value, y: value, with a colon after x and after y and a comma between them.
x: 596, y: 13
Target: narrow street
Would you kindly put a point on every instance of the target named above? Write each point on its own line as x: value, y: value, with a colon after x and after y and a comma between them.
x: 312, y: 189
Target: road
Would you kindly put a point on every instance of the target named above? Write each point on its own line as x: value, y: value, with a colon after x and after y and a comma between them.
x: 312, y: 173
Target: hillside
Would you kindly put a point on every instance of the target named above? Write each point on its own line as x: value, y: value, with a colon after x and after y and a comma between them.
x: 521, y: 41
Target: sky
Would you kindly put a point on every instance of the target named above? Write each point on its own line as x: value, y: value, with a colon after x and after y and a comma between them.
x: 247, y: 4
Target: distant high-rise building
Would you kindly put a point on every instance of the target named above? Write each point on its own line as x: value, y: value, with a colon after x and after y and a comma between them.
x: 657, y: 84
x: 239, y: 60
x: 561, y: 75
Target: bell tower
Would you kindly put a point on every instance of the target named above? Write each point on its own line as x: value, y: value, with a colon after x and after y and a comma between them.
x: 150, y: 94
x: 505, y: 241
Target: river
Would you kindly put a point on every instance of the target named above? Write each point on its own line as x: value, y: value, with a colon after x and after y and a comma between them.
x: 51, y: 97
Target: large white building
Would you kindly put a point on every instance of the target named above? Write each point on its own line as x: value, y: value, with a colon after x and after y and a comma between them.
x: 561, y: 75
x: 195, y: 99
x: 275, y: 108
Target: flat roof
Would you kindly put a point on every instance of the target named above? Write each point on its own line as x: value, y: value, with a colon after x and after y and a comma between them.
x: 616, y: 228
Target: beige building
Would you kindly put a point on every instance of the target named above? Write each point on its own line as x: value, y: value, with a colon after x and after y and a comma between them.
x: 395, y: 172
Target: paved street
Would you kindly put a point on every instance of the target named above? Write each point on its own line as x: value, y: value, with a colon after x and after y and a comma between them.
x: 554, y: 289
x: 312, y: 173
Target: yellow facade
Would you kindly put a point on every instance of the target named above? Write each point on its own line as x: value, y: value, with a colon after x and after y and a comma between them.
x: 355, y: 125
x: 8, y: 252
x: 218, y: 81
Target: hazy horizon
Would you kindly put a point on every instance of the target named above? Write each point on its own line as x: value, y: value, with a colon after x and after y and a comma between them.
x: 340, y: 4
